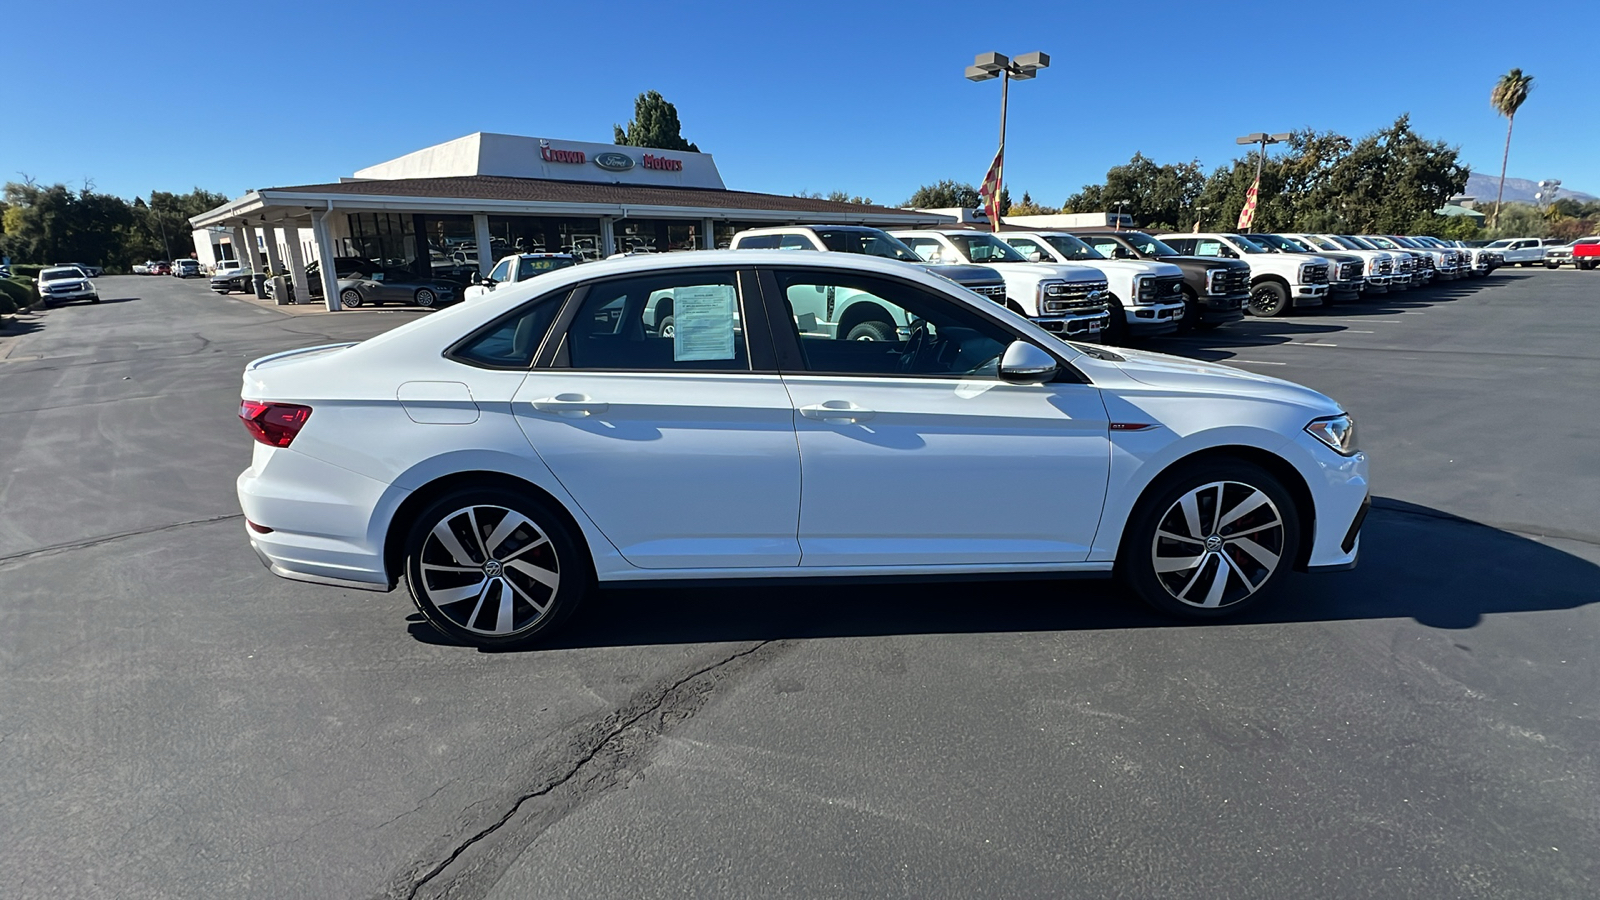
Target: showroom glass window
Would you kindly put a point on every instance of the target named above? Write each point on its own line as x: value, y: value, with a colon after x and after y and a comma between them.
x: 685, y: 321
x: 853, y: 324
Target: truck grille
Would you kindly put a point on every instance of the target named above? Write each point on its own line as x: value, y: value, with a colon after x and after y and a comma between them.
x: 1162, y: 289
x: 1317, y: 273
x: 1350, y: 271
x: 995, y: 292
x: 1385, y: 267
x: 1078, y: 296
x: 1232, y: 281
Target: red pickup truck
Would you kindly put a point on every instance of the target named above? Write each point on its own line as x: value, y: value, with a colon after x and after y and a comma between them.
x: 1586, y: 252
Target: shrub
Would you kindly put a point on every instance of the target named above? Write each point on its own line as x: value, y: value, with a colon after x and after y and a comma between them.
x: 7, y: 305
x: 20, y: 291
x: 27, y: 270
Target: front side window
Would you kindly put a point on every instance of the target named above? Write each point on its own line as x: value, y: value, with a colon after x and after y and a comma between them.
x: 758, y: 242
x: 511, y: 342
x: 928, y: 249
x: 1245, y: 245
x: 502, y: 271
x: 868, y: 241
x: 983, y: 248
x: 1209, y: 247
x: 1072, y: 249
x: 671, y: 321
x: 853, y: 324
x: 1029, y: 249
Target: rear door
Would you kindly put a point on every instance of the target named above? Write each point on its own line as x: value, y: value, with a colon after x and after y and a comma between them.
x: 680, y: 448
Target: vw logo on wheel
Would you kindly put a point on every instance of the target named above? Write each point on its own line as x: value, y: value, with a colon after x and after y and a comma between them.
x: 492, y: 568
x: 1213, y: 543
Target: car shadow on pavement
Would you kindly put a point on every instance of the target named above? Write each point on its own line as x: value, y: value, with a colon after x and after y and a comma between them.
x: 1417, y: 563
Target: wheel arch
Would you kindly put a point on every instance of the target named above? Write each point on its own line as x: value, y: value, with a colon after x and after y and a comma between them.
x: 863, y: 311
x: 417, y: 500
x: 1273, y: 277
x: 1275, y: 465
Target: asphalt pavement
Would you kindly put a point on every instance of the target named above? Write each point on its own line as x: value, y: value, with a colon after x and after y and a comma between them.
x: 176, y: 722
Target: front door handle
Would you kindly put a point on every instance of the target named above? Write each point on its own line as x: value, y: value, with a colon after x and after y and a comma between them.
x: 837, y: 412
x: 570, y: 406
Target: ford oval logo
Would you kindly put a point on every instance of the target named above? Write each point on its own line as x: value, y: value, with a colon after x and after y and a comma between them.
x: 615, y: 162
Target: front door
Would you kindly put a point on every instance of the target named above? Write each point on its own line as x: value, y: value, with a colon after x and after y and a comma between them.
x: 914, y: 452
x: 678, y: 449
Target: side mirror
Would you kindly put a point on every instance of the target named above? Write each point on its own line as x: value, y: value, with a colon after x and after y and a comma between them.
x: 1024, y: 363
x: 477, y: 277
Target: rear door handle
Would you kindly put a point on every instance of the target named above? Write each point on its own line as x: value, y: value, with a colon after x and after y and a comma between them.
x: 570, y: 406
x: 837, y: 412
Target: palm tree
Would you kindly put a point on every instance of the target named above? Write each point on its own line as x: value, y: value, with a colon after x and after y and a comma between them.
x: 1507, y: 97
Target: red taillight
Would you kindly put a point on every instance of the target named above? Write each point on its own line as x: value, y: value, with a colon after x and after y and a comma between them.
x: 273, y: 424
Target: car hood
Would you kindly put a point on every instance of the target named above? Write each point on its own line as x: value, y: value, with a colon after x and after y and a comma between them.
x: 1158, y: 370
x: 964, y: 274
x: 1042, y: 271
x: 1133, y: 266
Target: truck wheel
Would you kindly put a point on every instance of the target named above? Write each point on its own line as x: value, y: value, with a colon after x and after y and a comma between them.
x: 664, y: 328
x: 1191, y: 311
x: 1268, y: 299
x: 871, y: 331
x: 1552, y: 265
x: 1117, y: 329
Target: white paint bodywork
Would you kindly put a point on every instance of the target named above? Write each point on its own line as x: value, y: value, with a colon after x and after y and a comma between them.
x: 1023, y: 279
x: 686, y: 475
x: 1120, y: 274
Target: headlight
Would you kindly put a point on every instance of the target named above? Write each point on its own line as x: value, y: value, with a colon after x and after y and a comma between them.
x: 1214, y: 280
x: 1338, y: 432
x: 1144, y: 289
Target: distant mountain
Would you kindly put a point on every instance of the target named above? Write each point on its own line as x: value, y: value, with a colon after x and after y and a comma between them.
x: 1520, y: 189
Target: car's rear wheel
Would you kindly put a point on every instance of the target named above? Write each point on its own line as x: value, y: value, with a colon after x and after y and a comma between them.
x: 665, y: 328
x: 871, y: 331
x: 350, y: 299
x: 1191, y: 311
x: 426, y: 297
x: 494, y: 568
x: 1210, y: 541
x: 1268, y: 299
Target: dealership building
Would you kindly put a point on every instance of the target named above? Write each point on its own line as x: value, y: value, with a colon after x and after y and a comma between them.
x: 465, y: 203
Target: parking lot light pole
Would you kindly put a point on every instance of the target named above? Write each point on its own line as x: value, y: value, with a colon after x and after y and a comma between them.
x: 1120, y: 205
x: 1263, y: 139
x: 990, y: 65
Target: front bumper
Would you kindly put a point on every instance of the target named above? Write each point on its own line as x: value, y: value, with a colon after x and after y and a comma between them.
x: 1076, y: 327
x: 1223, y: 308
x: 54, y: 296
x: 1341, y: 492
x: 1347, y: 288
x: 1153, y: 319
x: 1308, y: 294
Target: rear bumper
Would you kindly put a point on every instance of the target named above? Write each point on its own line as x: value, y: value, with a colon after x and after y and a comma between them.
x: 312, y: 521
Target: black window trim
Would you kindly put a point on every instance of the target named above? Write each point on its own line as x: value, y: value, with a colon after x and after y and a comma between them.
x: 556, y: 355
x: 791, y: 361
x: 554, y: 296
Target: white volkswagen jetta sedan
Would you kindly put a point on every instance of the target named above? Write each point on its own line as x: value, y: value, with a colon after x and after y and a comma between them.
x: 506, y: 456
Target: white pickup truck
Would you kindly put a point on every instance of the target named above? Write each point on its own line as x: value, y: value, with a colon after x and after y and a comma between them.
x: 1066, y: 300
x: 1520, y: 251
x: 519, y: 267
x: 1278, y: 282
x: 1146, y: 296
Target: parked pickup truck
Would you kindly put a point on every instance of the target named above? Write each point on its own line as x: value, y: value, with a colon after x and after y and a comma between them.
x: 516, y: 268
x: 1520, y: 251
x: 1068, y: 301
x: 1377, y: 266
x: 1278, y: 283
x: 981, y: 280
x: 1215, y: 289
x: 1586, y: 253
x: 1147, y: 297
x: 1346, y: 271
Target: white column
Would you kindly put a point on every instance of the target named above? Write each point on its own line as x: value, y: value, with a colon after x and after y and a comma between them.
x: 297, y: 262
x: 608, y: 240
x: 480, y: 224
x: 325, y: 255
x: 255, y: 260
x: 241, y: 247
x: 708, y: 234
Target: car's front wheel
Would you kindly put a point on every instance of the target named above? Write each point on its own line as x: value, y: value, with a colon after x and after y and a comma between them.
x: 1268, y: 299
x: 350, y: 299
x: 426, y: 297
x: 1210, y: 541
x: 494, y: 568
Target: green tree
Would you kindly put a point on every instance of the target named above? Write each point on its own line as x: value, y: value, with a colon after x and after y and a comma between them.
x: 1159, y: 196
x: 655, y: 125
x: 837, y: 197
x: 1026, y: 207
x: 1519, y: 220
x: 1507, y: 96
x: 946, y: 194
x: 52, y: 224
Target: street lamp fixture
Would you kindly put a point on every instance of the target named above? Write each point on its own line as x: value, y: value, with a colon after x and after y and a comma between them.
x: 1120, y: 205
x: 1262, y: 138
x: 986, y: 66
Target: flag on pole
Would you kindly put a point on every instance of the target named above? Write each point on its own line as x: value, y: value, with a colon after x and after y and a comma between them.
x: 1248, y: 214
x: 989, y: 191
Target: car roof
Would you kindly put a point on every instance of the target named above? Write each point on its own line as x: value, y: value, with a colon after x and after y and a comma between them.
x: 773, y: 229
x: 61, y: 269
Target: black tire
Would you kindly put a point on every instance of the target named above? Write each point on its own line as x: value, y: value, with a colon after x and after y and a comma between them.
x: 871, y: 330
x: 94, y: 299
x: 1191, y: 311
x: 1552, y: 265
x: 1116, y: 332
x: 1159, y: 509
x: 558, y: 556
x: 664, y: 328
x: 1268, y: 299
x: 350, y: 298
x: 426, y: 298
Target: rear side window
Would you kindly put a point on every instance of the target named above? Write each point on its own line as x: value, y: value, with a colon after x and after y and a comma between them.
x: 511, y: 342
x: 685, y: 320
x: 758, y: 242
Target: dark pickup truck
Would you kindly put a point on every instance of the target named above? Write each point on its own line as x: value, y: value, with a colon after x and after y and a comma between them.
x: 1216, y: 289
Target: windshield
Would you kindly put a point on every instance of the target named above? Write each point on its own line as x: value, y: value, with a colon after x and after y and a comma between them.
x: 58, y: 274
x: 1072, y: 248
x: 868, y: 241
x: 1244, y: 244
x: 1275, y: 243
x: 1321, y: 243
x: 985, y: 248
x: 1382, y: 243
x: 1145, y: 245
x: 1502, y: 243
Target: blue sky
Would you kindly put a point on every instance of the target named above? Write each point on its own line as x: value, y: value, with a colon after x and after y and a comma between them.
x: 818, y: 96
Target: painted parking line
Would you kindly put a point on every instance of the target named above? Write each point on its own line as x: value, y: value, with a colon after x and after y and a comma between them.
x: 1256, y: 362
x: 1309, y: 344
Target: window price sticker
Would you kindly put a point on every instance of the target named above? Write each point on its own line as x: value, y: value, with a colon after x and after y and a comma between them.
x: 702, y: 322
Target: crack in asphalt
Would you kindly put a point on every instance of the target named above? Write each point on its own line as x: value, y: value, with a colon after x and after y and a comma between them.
x: 673, y: 702
x: 106, y: 539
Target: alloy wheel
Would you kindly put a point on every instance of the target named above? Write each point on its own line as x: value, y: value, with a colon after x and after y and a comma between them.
x: 350, y: 299
x: 489, y: 570
x: 1218, y: 544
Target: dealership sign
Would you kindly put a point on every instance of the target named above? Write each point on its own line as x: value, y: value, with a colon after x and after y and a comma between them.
x: 551, y: 154
x: 662, y: 163
x: 614, y: 162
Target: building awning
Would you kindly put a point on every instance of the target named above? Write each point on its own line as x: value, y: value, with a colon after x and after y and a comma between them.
x: 500, y: 195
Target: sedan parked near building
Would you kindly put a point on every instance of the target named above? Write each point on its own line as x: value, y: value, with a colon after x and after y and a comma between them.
x: 233, y: 279
x: 381, y: 286
x: 60, y: 284
x: 505, y: 456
